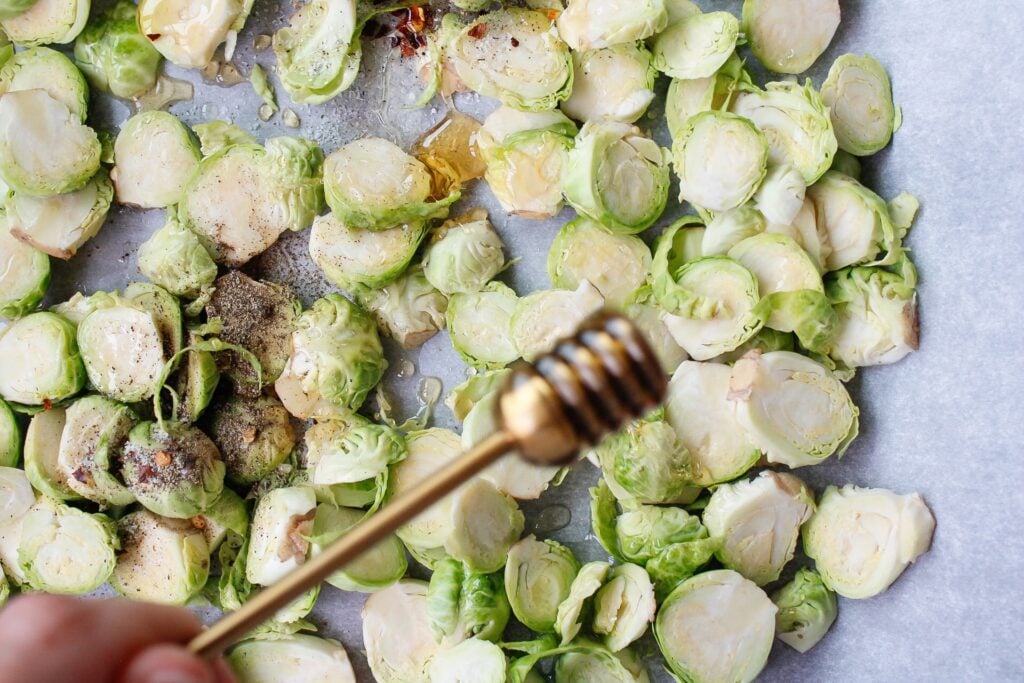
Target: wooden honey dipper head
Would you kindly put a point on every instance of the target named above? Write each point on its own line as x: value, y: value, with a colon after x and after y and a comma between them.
x: 590, y: 385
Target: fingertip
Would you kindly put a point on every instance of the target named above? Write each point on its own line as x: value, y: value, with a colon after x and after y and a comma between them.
x: 168, y: 664
x: 223, y: 671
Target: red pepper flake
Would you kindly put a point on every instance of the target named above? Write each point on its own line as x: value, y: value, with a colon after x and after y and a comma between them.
x: 515, y: 42
x: 478, y: 31
x: 552, y: 14
x: 153, y: 36
x: 47, y: 404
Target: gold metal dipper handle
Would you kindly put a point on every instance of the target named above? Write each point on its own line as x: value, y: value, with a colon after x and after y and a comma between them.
x: 590, y: 385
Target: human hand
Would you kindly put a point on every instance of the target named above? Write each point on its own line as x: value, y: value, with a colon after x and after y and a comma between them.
x: 52, y: 639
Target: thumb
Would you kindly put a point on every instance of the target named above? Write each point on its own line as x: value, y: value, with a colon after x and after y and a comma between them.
x: 167, y: 664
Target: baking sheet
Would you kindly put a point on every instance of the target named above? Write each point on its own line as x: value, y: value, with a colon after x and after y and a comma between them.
x: 943, y: 422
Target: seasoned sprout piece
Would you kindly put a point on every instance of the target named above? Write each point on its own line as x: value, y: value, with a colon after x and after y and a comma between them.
x: 347, y: 453
x: 593, y: 24
x: 569, y: 619
x: 374, y: 570
x: 166, y: 312
x: 49, y: 70
x: 757, y: 522
x: 697, y: 46
x: 410, y: 310
x: 698, y: 409
x: 65, y: 550
x: 39, y: 360
x: 281, y: 525
x: 720, y: 160
x: 429, y: 450
x: 855, y: 221
x: 24, y: 274
x: 47, y: 21
x: 480, y: 325
x: 538, y: 577
x: 277, y: 660
x: 155, y: 156
x: 187, y: 32
x: 244, y: 196
x: 161, y: 560
x: 793, y: 408
x: 471, y: 660
x: 877, y: 315
x: 862, y: 539
x: 61, y: 224
x: 624, y: 606
x: 617, y: 177
x: 173, y: 469
x: 526, y: 154
x: 729, y: 228
x: 645, y: 461
x: 795, y: 122
x: 513, y: 55
x: 123, y: 350
x: 351, y: 257
x: 464, y: 255
x: 485, y: 524
x: 174, y: 258
x: 45, y: 149
x: 372, y: 184
x: 789, y: 35
x: 91, y: 443
x: 258, y: 316
x: 463, y: 604
x: 319, y: 52
x: 114, y: 54
x: 716, y: 626
x: 254, y: 436
x: 613, y: 83
x: 197, y: 380
x: 859, y: 98
x: 336, y: 353
x: 42, y: 455
x: 397, y: 634
x: 807, y: 610
x: 615, y: 264
x: 547, y: 316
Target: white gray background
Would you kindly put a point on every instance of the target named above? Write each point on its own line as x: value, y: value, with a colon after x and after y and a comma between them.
x: 946, y: 421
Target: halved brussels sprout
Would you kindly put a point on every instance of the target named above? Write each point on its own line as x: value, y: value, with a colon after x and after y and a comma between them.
x: 788, y: 36
x: 155, y: 156
x: 859, y: 97
x: 162, y: 560
x: 720, y: 159
x: 59, y: 225
x: 464, y: 254
x: 569, y: 618
x: 39, y: 360
x: 480, y: 325
x: 525, y: 154
x: 807, y: 609
x: 485, y: 524
x: 613, y: 83
x: 174, y: 258
x: 166, y: 312
x: 650, y: 320
x: 729, y: 228
x: 538, y: 577
x: 336, y: 352
x: 45, y: 149
x: 545, y: 317
x: 259, y: 316
x: 471, y: 660
x: 319, y: 52
x: 351, y: 257
x: 410, y: 310
x: 197, y: 381
x: 372, y: 184
x: 173, y: 469
x: 24, y: 274
x: 244, y: 196
x: 719, y: 310
x: 645, y: 532
x: 278, y: 535
x: 591, y: 24
x: 781, y: 195
x: 16, y: 495
x: 514, y: 56
x: 42, y: 455
x: 65, y: 550
x: 698, y: 409
x: 185, y: 32
x: 463, y: 604
x: 806, y: 231
x: 276, y: 660
x: 758, y: 522
x: 617, y: 176
x: 624, y: 606
x: 795, y: 122
x: 463, y: 398
x: 226, y: 516
x: 123, y: 350
x: 397, y: 635
x: 861, y: 539
x: 794, y: 408
x: 877, y: 315
x: 49, y: 70
x: 374, y: 570
x: 597, y: 665
x: 253, y: 436
x: 346, y: 453
x: 615, y: 264
x: 716, y: 626
x: 645, y: 461
x: 697, y: 46
x: 47, y: 21
x: 91, y: 445
x: 429, y: 450
x: 687, y: 98
x: 115, y: 55
x: 855, y: 221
